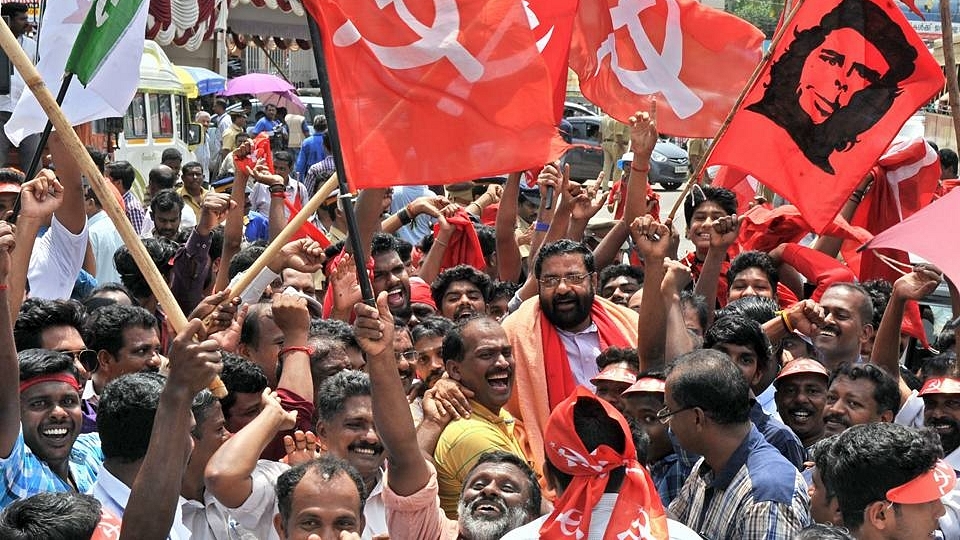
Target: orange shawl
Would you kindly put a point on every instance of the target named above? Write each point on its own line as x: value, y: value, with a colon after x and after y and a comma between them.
x: 530, y: 401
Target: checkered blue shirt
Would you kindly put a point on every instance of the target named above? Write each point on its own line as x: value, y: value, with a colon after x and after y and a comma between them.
x: 24, y: 474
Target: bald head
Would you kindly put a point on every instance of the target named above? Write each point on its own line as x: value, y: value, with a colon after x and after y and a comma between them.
x: 161, y: 177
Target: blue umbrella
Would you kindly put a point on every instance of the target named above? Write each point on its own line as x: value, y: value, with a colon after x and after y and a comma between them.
x: 208, y: 82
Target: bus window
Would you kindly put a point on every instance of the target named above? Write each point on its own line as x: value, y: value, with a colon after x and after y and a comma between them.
x: 166, y: 116
x: 154, y: 115
x: 134, y: 122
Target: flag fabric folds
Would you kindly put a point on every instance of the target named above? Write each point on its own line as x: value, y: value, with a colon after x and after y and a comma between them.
x: 106, y: 59
x: 102, y: 29
x: 552, y: 24
x: 436, y: 91
x: 905, y: 180
x: 843, y: 80
x: 693, y: 59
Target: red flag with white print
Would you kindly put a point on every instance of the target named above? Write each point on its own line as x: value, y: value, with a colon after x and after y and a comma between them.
x: 436, y: 91
x: 693, y: 59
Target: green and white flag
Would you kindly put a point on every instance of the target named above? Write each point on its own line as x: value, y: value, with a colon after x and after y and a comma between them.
x: 103, y: 28
x: 103, y: 40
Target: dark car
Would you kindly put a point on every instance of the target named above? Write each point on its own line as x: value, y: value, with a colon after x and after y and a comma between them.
x: 669, y: 164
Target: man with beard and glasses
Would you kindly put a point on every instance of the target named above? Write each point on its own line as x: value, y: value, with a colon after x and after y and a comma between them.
x: 461, y: 292
x: 859, y: 394
x: 558, y: 334
x: 126, y: 340
x: 479, y: 357
x: 499, y: 494
x: 801, y: 398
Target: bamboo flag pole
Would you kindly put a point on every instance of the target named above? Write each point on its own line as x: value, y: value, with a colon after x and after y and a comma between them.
x: 277, y: 244
x: 79, y: 154
x: 767, y: 58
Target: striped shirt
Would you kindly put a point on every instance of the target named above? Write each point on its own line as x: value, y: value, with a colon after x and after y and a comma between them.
x: 25, y: 474
x: 757, y: 495
x: 462, y: 443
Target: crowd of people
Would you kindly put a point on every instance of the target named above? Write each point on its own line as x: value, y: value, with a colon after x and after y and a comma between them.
x: 525, y: 370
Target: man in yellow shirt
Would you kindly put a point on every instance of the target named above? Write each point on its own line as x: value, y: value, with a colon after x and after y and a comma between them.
x: 192, y: 190
x: 478, y: 356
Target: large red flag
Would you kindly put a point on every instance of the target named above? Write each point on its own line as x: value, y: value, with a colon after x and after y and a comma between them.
x: 693, y: 59
x: 905, y: 180
x: 552, y: 23
x: 436, y: 91
x: 844, y: 79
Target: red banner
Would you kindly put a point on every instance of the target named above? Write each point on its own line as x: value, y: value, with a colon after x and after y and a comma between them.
x: 436, y: 91
x: 843, y: 80
x: 552, y: 23
x: 693, y: 59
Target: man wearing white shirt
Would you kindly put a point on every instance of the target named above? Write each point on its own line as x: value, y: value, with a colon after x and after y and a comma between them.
x: 296, y: 192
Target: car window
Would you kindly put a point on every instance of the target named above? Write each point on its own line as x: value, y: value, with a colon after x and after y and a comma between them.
x: 577, y: 132
x: 593, y: 132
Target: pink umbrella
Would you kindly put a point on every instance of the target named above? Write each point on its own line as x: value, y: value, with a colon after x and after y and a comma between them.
x: 256, y: 83
x: 286, y: 99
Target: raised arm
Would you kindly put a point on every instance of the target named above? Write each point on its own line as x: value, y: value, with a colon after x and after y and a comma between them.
x: 292, y: 317
x: 155, y: 492
x: 508, y: 252
x: 9, y: 383
x: 723, y: 233
x: 228, y: 473
x: 886, y: 345
x: 233, y: 227
x: 643, y: 138
x: 391, y: 411
x: 71, y: 213
x: 40, y: 198
x: 652, y: 239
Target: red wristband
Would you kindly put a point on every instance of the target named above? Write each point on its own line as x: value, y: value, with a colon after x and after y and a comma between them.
x: 4, y: 286
x: 287, y: 350
x: 277, y: 195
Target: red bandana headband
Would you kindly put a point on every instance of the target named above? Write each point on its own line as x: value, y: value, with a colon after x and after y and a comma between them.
x: 55, y: 377
x: 638, y: 512
x: 927, y: 487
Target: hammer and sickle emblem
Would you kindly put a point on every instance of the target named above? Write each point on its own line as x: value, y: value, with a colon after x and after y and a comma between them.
x: 437, y: 41
x: 534, y: 24
x: 662, y: 71
x: 570, y: 518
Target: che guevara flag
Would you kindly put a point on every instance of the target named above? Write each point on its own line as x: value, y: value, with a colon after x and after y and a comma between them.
x: 842, y: 81
x: 436, y: 91
x: 693, y: 59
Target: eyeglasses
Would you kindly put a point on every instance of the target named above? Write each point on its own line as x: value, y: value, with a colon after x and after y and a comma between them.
x: 570, y: 279
x: 409, y: 356
x: 664, y: 414
x: 86, y: 357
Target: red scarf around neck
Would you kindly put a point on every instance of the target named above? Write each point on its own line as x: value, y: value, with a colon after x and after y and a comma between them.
x: 560, y: 381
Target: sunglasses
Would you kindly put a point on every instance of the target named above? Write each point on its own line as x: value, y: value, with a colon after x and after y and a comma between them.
x: 86, y: 357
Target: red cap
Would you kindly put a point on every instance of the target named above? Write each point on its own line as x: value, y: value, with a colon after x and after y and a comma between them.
x: 802, y: 365
x: 9, y: 187
x: 927, y: 487
x: 420, y: 293
x: 646, y: 384
x: 940, y: 385
x: 616, y: 374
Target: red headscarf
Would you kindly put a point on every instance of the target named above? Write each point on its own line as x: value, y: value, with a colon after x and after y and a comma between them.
x: 638, y: 512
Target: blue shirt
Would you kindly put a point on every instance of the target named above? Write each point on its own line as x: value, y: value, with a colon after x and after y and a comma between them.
x: 779, y: 436
x: 757, y: 495
x: 311, y: 151
x: 264, y: 124
x: 24, y: 474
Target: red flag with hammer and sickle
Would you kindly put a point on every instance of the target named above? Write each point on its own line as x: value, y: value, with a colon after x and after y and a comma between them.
x: 436, y: 91
x: 693, y: 59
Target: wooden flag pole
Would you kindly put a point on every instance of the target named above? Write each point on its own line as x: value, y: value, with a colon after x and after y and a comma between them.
x: 277, y: 243
x: 950, y: 67
x: 767, y: 58
x: 79, y: 154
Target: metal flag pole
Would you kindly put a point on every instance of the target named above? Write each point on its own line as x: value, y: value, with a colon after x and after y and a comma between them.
x: 346, y: 200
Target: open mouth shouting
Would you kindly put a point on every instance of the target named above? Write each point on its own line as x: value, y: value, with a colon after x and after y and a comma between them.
x: 500, y: 381
x: 396, y: 298
x: 488, y: 508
